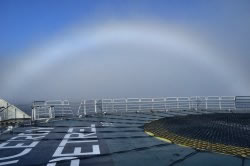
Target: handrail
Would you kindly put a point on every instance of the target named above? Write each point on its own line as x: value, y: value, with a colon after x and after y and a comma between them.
x: 158, y: 104
x: 61, y: 108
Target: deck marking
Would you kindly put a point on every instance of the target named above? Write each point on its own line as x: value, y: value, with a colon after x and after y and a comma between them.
x: 9, y: 162
x: 21, y: 143
x: 24, y: 152
x: 75, y: 162
x: 69, y: 138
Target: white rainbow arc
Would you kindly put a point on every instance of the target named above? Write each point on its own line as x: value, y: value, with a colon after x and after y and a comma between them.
x: 160, y: 36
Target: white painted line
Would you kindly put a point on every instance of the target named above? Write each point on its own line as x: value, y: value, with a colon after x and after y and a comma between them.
x: 51, y: 164
x: 62, y: 158
x: 75, y: 162
x: 9, y: 162
x: 24, y: 152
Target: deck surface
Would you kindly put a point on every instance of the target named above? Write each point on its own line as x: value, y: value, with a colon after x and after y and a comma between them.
x: 113, y: 139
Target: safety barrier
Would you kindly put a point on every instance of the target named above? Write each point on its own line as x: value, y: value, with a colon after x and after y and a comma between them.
x: 157, y: 104
x: 10, y: 112
x: 242, y: 102
x: 51, y: 109
x: 62, y: 108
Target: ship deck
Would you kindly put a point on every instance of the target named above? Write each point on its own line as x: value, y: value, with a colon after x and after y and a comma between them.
x: 110, y: 139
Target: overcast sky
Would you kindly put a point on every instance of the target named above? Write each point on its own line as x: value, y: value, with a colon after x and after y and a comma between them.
x: 93, y: 49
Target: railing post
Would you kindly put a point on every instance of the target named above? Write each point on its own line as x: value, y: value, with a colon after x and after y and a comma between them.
x: 84, y: 107
x: 32, y: 114
x: 15, y: 113
x: 152, y: 104
x: 101, y: 106
x: 95, y: 106
x: 50, y: 112
x: 53, y: 111
x: 7, y: 111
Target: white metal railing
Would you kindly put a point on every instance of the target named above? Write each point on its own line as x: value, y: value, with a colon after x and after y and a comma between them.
x: 10, y: 112
x: 157, y: 104
x: 51, y: 109
x: 242, y: 102
x: 62, y: 108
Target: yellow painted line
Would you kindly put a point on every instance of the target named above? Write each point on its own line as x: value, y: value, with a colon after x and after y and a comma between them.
x: 203, y: 145
x: 160, y: 138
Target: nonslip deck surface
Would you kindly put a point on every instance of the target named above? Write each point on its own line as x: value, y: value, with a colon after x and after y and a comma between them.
x: 113, y: 139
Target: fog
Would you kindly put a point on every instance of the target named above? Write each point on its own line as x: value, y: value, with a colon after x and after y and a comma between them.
x: 127, y: 58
